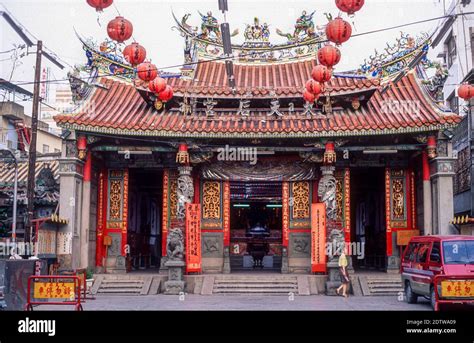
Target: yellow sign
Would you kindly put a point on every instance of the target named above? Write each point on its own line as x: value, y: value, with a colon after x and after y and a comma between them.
x: 404, y: 236
x: 54, y: 290
x: 457, y: 288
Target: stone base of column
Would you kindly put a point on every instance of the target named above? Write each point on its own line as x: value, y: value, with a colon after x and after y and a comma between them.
x: 334, y: 278
x: 285, y: 268
x: 116, y: 265
x: 175, y: 284
x: 393, y: 264
x: 163, y: 266
x: 226, y: 268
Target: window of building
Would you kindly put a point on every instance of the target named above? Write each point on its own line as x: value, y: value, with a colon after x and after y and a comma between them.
x: 451, y: 50
x: 57, y: 150
x: 462, y: 171
x: 453, y: 102
x: 45, y: 148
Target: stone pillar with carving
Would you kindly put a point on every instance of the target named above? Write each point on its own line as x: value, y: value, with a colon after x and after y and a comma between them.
x: 71, y: 178
x: 442, y: 173
x: 334, y: 234
x: 85, y: 154
x: 176, y: 240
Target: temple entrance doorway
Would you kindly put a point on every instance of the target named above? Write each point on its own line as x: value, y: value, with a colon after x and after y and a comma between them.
x: 255, y: 226
x: 368, y: 218
x: 144, y: 219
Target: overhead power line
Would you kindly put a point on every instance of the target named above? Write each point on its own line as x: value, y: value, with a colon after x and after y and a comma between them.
x: 224, y: 58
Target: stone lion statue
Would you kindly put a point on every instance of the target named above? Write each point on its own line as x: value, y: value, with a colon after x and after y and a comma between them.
x: 174, y: 245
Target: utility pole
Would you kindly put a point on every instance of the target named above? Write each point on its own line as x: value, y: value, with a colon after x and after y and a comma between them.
x: 32, y: 151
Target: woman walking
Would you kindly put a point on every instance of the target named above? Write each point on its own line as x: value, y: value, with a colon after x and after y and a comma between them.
x: 344, y: 276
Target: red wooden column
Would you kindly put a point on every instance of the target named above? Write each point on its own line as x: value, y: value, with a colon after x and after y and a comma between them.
x: 87, y: 174
x: 427, y: 205
x: 101, y: 217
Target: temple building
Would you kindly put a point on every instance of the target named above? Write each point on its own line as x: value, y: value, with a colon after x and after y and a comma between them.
x: 250, y: 176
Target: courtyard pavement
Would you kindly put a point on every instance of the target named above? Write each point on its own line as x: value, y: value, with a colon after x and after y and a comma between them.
x: 193, y: 302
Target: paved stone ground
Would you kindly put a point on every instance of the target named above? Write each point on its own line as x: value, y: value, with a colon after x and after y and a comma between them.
x: 246, y: 302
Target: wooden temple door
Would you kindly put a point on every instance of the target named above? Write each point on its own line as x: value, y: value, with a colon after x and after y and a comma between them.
x: 112, y: 219
x: 400, y: 207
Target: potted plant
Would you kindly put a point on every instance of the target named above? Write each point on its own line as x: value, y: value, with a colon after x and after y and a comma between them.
x: 89, y: 279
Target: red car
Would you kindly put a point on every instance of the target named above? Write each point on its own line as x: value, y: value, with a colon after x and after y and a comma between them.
x: 449, y: 259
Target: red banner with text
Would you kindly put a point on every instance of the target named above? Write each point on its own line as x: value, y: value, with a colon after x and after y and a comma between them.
x: 318, y: 238
x: 193, y: 238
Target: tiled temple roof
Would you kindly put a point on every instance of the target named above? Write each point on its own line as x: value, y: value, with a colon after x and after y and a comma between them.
x: 402, y: 107
x: 285, y: 79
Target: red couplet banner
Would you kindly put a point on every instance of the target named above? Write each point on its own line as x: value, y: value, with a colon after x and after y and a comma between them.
x: 318, y: 238
x: 193, y: 238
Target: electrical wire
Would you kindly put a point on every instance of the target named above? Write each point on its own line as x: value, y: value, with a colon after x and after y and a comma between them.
x: 224, y: 58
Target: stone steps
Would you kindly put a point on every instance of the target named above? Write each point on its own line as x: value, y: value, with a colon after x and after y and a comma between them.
x: 259, y: 291
x: 125, y: 285
x: 255, y: 284
x: 381, y: 285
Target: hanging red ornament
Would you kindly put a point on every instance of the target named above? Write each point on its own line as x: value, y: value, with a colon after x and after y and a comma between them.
x: 120, y: 29
x: 147, y: 71
x: 431, y: 146
x: 166, y: 95
x: 349, y: 6
x: 321, y: 73
x: 329, y: 56
x: 182, y: 157
x: 308, y: 96
x: 314, y: 87
x: 338, y: 31
x: 134, y: 54
x: 466, y: 91
x: 329, y: 156
x: 158, y: 85
x: 99, y: 5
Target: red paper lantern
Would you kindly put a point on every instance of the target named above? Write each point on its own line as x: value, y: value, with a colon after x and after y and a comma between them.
x: 329, y: 56
x: 431, y: 146
x: 321, y: 73
x: 134, y: 54
x: 314, y: 87
x: 182, y: 157
x: 338, y: 31
x: 82, y: 142
x: 99, y: 5
x: 349, y: 6
x: 158, y: 85
x: 120, y: 29
x: 147, y: 71
x: 329, y: 156
x: 308, y: 96
x: 166, y: 95
x: 466, y: 91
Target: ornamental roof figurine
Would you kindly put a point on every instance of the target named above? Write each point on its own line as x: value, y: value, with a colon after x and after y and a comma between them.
x: 257, y: 34
x: 304, y: 29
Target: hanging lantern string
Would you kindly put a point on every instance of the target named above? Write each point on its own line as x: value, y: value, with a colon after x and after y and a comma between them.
x: 243, y: 55
x: 116, y: 8
x: 120, y: 15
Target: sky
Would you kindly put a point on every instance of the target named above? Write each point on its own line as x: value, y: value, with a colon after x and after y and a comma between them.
x: 54, y: 22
